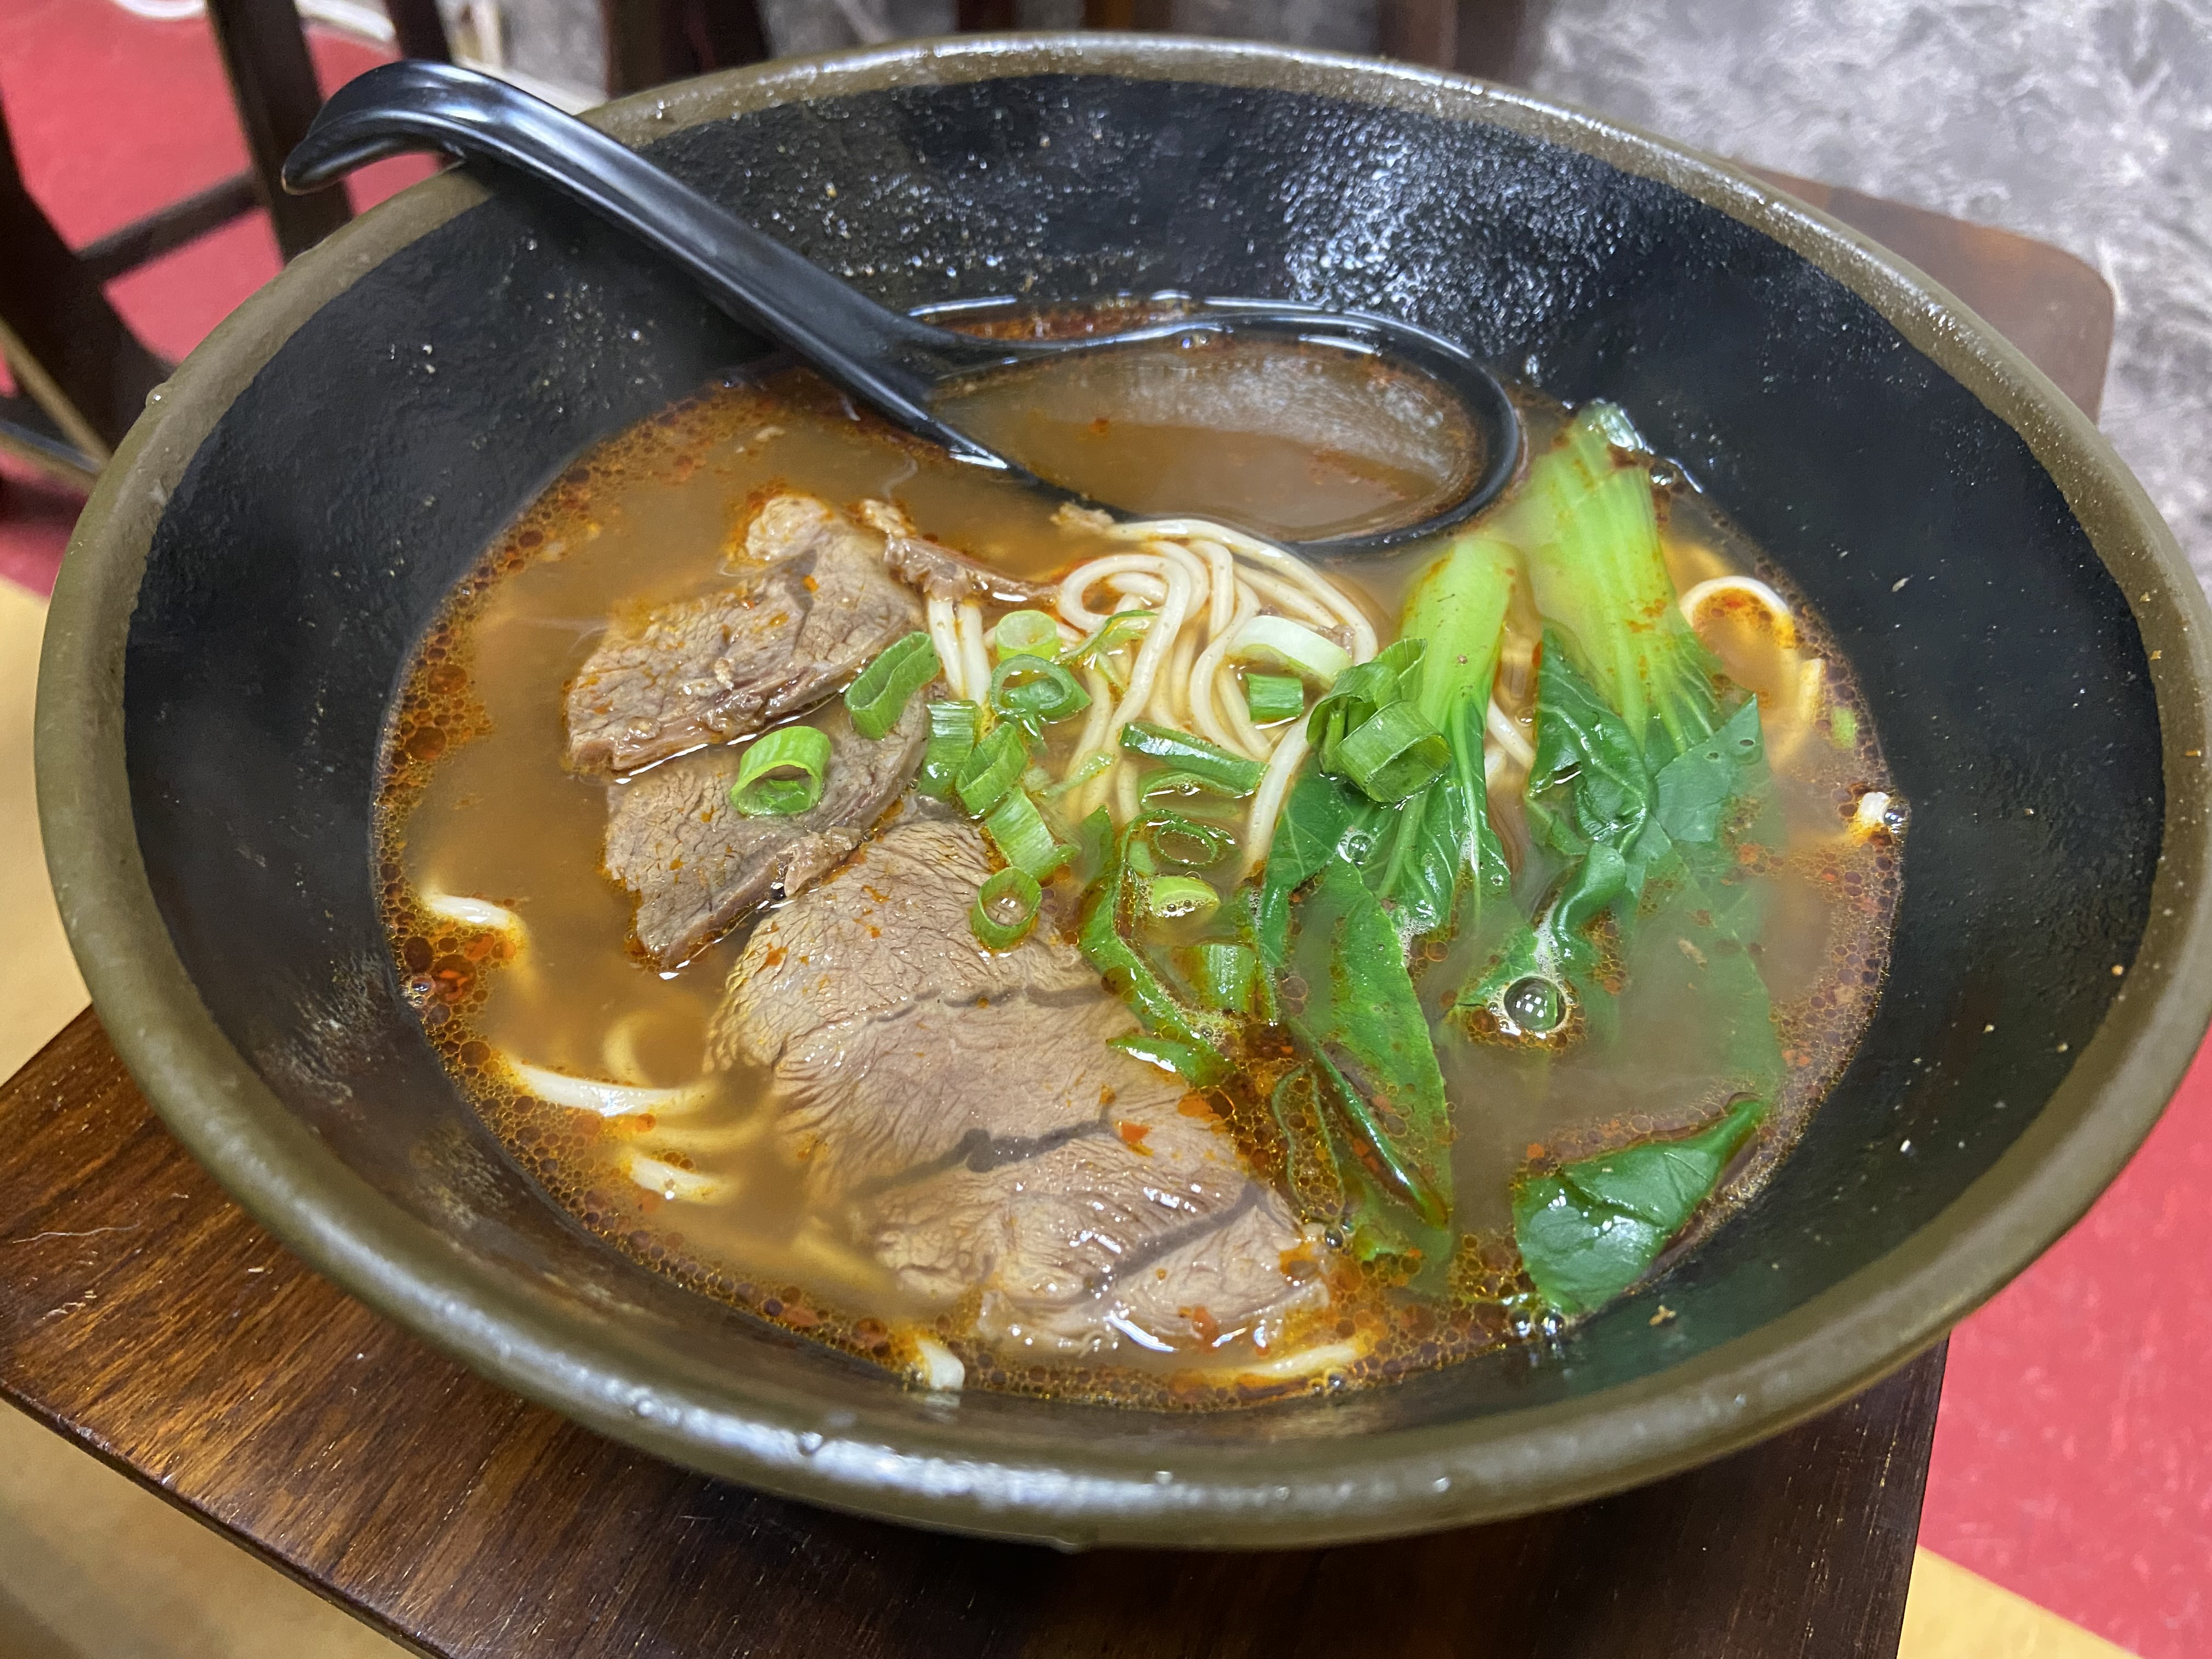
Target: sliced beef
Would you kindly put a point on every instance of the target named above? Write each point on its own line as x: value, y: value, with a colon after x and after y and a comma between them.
x: 698, y: 866
x: 936, y: 569
x: 965, y: 1106
x: 811, y: 605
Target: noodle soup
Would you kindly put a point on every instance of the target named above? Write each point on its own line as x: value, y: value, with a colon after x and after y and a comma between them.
x: 1124, y: 961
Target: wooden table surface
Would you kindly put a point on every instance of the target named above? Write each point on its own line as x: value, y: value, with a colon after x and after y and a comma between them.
x: 142, y: 1315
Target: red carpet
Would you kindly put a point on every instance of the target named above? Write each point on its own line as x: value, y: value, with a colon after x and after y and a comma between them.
x: 114, y: 116
x: 2074, y: 1455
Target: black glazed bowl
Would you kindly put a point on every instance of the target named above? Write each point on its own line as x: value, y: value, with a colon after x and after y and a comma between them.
x: 287, y: 516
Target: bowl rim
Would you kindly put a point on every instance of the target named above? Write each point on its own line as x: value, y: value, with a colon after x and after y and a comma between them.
x: 1286, y: 1493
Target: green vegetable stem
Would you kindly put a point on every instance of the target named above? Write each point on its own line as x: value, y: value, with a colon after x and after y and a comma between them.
x: 1587, y: 525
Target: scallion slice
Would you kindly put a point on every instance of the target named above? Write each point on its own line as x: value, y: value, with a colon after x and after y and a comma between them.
x: 1120, y: 628
x: 1391, y: 753
x: 1094, y: 845
x: 1194, y: 754
x: 952, y: 726
x: 1171, y: 838
x: 1180, y: 898
x: 1278, y: 642
x: 1186, y: 791
x: 877, y: 698
x: 1272, y: 697
x: 992, y: 768
x: 1026, y: 633
x: 1006, y: 909
x: 1090, y: 766
x: 1224, y: 975
x: 1034, y: 692
x: 782, y: 774
x: 1018, y: 831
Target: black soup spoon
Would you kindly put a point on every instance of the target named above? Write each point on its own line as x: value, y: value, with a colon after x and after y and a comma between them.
x: 896, y: 364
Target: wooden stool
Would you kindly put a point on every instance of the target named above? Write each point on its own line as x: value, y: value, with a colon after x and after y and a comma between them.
x: 82, y: 375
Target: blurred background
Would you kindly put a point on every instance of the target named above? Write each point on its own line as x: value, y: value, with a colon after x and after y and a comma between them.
x: 2070, y: 1502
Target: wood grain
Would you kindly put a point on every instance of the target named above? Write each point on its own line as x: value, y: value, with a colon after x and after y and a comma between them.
x: 144, y: 1315
x: 141, y: 1313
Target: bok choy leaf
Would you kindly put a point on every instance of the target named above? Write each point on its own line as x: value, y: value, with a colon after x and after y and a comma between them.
x: 1587, y: 522
x: 1362, y: 1024
x: 1590, y: 1229
x: 1434, y: 859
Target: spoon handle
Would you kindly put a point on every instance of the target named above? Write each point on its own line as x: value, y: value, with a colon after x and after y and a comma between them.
x: 885, y: 360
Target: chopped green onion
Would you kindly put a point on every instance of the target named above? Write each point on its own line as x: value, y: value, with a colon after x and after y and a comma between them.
x: 877, y: 698
x: 1185, y: 792
x: 1224, y: 975
x: 992, y: 768
x: 1842, y: 728
x: 1094, y: 845
x: 1018, y: 831
x: 1033, y: 692
x: 1006, y: 909
x: 1112, y: 910
x: 1392, y: 675
x: 1116, y: 631
x: 1026, y: 633
x: 1171, y: 838
x: 1390, y: 754
x: 1272, y: 697
x: 1278, y: 642
x: 1180, y: 898
x: 1187, y: 753
x: 782, y: 772
x: 952, y: 726
x: 1089, y: 767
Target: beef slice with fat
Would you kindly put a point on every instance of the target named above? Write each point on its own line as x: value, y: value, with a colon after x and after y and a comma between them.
x: 964, y: 1109
x: 698, y: 866
x: 812, y: 605
x: 941, y: 572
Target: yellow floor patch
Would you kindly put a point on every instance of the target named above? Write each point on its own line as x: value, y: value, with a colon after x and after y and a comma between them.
x: 39, y: 990
x: 1952, y: 1613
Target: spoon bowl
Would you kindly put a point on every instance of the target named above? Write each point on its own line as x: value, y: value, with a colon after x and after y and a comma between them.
x: 897, y: 365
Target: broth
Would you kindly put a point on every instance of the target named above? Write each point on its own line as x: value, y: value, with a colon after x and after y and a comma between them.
x: 706, y: 1183
x: 1299, y: 441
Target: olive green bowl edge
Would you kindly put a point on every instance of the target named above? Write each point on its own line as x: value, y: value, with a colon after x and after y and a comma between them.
x: 1301, y: 1492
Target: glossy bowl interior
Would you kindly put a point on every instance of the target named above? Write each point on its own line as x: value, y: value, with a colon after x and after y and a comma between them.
x: 285, y: 521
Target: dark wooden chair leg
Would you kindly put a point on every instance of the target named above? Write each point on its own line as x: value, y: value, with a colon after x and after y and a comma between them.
x: 82, y: 373
x: 272, y: 80
x: 418, y: 31
x: 1475, y: 37
x: 1151, y: 16
x: 650, y: 42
